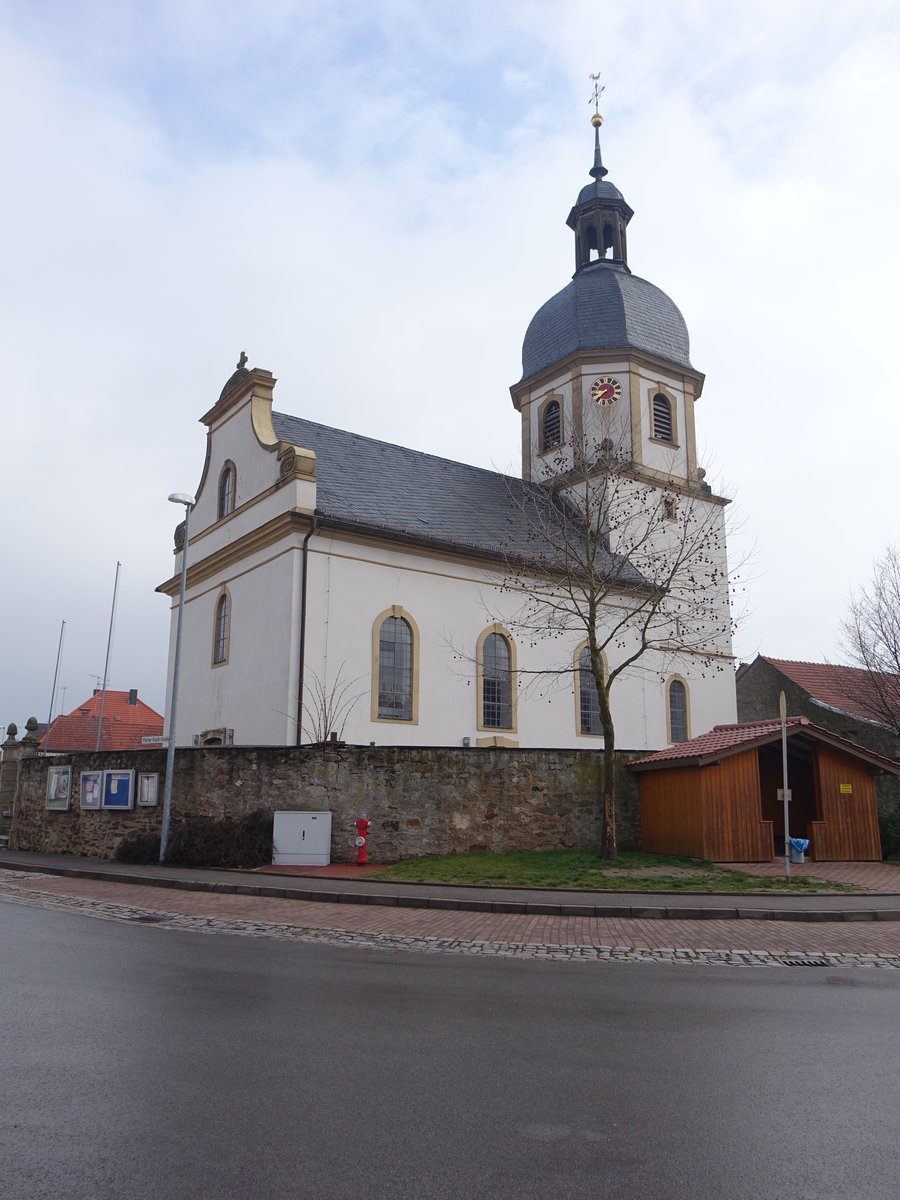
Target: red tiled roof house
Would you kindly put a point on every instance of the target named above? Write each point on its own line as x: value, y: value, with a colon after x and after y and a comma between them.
x: 126, y: 722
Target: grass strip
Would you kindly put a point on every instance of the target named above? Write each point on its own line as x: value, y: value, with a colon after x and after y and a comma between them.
x: 632, y: 871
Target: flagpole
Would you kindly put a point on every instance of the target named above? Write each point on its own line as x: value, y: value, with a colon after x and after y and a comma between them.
x: 62, y: 633
x: 112, y: 617
x: 786, y: 795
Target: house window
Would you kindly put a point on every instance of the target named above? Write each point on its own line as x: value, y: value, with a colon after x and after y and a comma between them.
x: 662, y: 418
x: 551, y: 426
x: 226, y: 490
x: 669, y: 508
x: 496, y: 682
x: 221, y: 631
x: 395, y: 670
x: 677, y: 710
x: 588, y: 701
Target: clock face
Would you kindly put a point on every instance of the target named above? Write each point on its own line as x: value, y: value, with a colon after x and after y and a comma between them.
x: 606, y: 389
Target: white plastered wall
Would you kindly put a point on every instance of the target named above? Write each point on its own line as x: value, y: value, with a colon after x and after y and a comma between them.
x: 255, y: 691
x: 451, y: 605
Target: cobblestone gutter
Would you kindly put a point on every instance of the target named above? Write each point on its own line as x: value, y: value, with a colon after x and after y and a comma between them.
x: 11, y: 892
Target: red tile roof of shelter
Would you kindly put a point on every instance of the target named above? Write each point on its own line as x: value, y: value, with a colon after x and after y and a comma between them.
x: 841, y: 688
x: 725, y: 740
x: 124, y: 725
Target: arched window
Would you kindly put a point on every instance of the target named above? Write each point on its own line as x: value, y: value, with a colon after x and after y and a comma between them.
x: 227, y: 481
x: 677, y: 701
x: 395, y: 669
x: 221, y: 631
x: 496, y: 682
x: 551, y: 426
x: 662, y: 418
x: 588, y: 702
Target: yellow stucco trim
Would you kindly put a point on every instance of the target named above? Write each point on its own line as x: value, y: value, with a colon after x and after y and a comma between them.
x: 690, y: 436
x: 222, y: 593
x: 634, y: 400
x: 513, y: 677
x: 577, y: 409
x: 496, y: 740
x: 660, y: 389
x: 687, y: 707
x: 578, y: 649
x: 395, y: 611
x: 542, y: 408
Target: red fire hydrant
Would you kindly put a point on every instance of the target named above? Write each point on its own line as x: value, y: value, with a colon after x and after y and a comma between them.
x: 362, y: 826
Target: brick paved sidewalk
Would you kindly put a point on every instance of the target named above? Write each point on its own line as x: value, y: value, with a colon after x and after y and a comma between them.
x: 880, y: 877
x: 745, y: 942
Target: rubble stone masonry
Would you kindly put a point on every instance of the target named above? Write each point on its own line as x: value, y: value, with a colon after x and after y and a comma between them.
x: 419, y: 800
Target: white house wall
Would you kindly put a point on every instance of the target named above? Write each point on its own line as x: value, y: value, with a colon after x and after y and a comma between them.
x: 255, y: 691
x: 451, y: 605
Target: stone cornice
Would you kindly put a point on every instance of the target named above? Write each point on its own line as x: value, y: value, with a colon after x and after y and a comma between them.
x: 296, y: 521
x: 578, y: 358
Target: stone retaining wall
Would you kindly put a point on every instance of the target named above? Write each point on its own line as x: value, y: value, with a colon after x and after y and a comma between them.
x: 419, y: 800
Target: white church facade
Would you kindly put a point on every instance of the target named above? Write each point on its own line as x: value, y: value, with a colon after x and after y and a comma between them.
x: 339, y: 585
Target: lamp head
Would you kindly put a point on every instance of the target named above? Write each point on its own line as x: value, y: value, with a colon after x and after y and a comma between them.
x: 182, y: 498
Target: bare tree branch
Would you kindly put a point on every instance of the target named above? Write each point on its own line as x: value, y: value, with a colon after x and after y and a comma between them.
x: 872, y: 638
x: 631, y: 560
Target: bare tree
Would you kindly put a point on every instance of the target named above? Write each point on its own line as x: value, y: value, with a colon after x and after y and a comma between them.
x: 631, y: 564
x: 872, y: 638
x: 328, y: 707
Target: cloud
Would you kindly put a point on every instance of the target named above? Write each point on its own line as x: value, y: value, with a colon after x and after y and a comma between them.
x: 372, y: 203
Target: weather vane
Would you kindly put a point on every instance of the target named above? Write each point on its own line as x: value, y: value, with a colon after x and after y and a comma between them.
x: 597, y: 93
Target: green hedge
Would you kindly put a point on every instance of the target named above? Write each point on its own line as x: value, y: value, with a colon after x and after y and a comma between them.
x: 203, y: 842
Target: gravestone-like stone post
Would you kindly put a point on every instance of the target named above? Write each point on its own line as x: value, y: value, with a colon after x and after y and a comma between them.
x: 9, y: 781
x: 13, y: 754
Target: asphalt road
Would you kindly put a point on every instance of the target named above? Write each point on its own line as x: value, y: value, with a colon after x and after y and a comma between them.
x: 140, y: 1062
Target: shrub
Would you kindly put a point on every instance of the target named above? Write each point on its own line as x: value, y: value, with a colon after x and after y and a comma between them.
x: 141, y: 848
x: 889, y: 827
x: 204, y: 842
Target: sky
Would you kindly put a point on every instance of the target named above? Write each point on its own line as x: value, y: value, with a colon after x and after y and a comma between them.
x: 370, y: 199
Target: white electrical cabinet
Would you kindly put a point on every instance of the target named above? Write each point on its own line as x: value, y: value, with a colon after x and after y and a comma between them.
x: 302, y: 839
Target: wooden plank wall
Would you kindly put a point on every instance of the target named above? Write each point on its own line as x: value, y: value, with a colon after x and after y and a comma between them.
x: 671, y: 821
x: 733, y: 826
x: 849, y: 821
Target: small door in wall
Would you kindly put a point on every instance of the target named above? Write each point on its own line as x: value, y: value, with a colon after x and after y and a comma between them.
x: 302, y: 839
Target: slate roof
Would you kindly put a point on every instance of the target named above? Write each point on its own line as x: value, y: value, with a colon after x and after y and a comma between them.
x: 380, y: 487
x: 724, y: 740
x: 605, y: 307
x: 598, y: 189
x: 841, y: 688
x: 124, y: 725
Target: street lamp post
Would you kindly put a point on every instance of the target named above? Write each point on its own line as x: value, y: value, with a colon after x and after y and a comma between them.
x: 188, y: 502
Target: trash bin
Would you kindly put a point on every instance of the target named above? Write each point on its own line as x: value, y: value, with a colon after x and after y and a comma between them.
x: 799, y: 846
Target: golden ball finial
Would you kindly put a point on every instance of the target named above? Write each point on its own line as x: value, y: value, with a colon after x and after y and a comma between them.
x: 596, y: 120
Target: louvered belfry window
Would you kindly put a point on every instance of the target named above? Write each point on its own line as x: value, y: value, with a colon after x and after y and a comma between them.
x: 677, y: 711
x: 589, y: 704
x: 496, y: 693
x: 550, y: 433
x: 662, y: 418
x: 395, y: 670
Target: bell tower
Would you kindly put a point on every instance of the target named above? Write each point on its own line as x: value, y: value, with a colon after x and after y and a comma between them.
x: 600, y: 216
x: 606, y: 361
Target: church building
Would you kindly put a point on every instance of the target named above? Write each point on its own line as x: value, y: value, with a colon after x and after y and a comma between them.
x: 339, y: 586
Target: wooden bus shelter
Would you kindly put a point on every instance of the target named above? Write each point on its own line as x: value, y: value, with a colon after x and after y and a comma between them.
x: 716, y: 796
